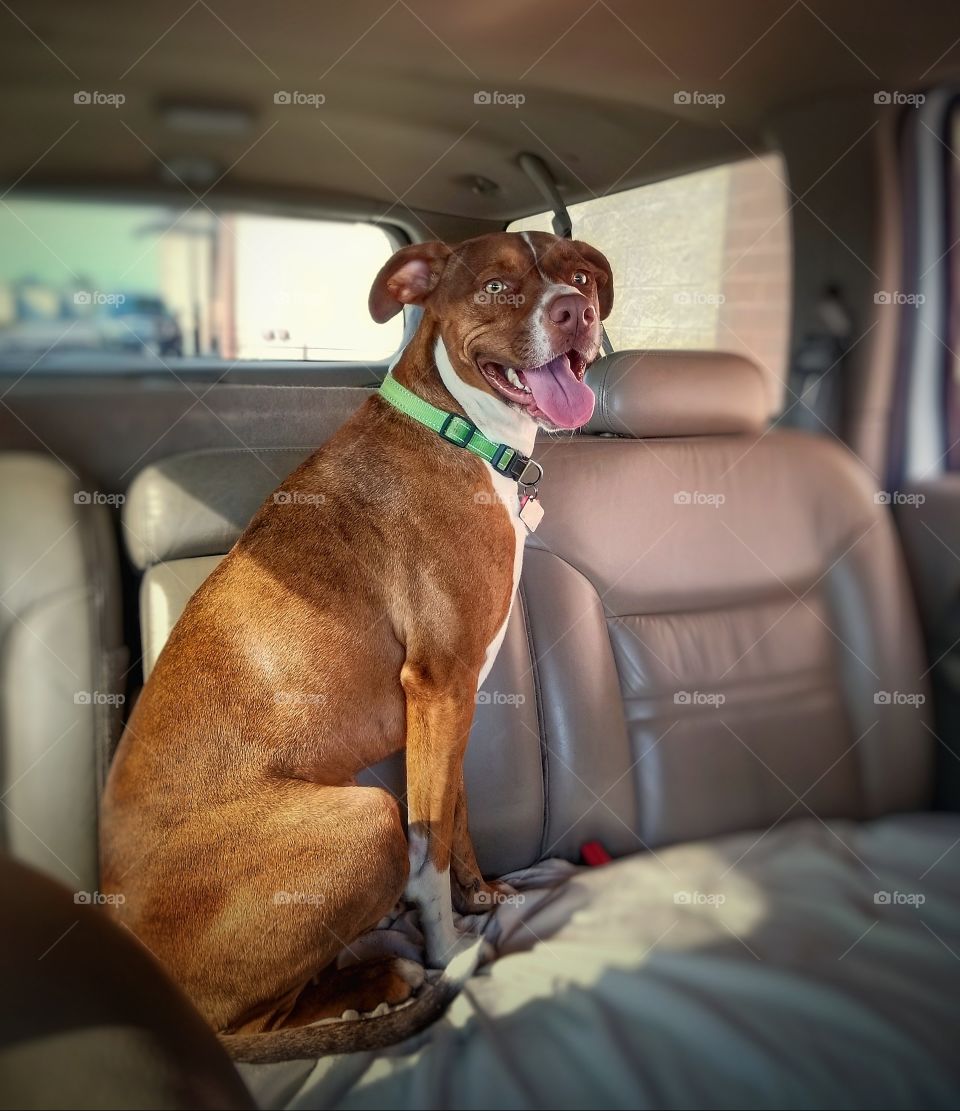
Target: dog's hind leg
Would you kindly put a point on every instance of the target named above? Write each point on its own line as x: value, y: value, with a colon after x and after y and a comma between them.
x: 279, y: 884
x: 362, y: 988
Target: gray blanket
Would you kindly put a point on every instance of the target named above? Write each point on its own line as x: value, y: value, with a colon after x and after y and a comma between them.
x: 811, y: 965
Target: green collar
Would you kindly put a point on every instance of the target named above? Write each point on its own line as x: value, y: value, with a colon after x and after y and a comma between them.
x: 463, y: 433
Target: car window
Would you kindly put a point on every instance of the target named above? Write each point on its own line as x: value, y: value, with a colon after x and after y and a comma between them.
x: 84, y: 276
x: 701, y: 261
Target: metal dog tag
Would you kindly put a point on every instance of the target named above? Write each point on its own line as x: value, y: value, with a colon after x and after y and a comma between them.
x: 531, y: 512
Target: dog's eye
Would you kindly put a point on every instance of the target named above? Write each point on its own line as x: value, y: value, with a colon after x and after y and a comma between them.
x: 579, y: 278
x: 494, y: 286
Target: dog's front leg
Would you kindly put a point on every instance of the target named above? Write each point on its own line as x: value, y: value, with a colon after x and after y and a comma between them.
x: 472, y: 894
x: 440, y: 702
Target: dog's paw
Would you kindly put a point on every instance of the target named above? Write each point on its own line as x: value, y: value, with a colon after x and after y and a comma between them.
x: 480, y: 897
x: 410, y: 971
x: 359, y: 989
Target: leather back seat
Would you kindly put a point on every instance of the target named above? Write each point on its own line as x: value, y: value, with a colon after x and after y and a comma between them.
x: 713, y: 631
x: 62, y: 664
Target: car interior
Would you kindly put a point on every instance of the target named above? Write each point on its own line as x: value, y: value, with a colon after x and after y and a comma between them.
x: 718, y: 754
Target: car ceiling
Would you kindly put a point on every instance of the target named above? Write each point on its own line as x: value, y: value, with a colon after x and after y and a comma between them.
x: 399, y: 127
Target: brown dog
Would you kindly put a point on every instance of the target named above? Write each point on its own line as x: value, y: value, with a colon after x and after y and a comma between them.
x: 357, y: 614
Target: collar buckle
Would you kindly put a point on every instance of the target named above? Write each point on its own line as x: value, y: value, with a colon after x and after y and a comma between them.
x: 524, y: 471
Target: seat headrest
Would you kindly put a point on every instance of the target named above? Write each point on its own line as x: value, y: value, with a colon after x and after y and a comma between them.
x: 649, y: 394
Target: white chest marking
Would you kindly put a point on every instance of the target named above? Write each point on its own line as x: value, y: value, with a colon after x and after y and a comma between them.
x: 501, y: 423
x: 506, y: 490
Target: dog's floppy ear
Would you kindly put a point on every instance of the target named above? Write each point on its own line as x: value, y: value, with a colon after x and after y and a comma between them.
x: 604, y: 275
x: 408, y: 278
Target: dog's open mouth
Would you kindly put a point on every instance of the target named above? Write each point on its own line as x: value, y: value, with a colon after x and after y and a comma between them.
x: 554, y: 392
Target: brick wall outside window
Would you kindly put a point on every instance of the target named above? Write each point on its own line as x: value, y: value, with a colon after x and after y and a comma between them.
x: 699, y: 261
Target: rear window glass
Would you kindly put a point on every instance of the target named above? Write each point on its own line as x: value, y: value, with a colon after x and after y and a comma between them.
x: 700, y: 261
x: 162, y: 281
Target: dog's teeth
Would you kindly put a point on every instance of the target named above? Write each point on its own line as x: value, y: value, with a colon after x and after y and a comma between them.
x: 514, y: 379
x: 381, y: 1009
x: 350, y: 1016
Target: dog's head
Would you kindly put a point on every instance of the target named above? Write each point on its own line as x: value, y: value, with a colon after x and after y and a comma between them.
x: 519, y: 315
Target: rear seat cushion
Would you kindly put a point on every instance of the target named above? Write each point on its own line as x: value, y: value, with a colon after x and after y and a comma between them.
x: 61, y: 664
x: 198, y: 503
x: 794, y: 969
x: 164, y: 592
x: 759, y: 629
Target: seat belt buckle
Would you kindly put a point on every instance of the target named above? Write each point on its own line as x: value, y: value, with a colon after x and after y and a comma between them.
x: 594, y: 854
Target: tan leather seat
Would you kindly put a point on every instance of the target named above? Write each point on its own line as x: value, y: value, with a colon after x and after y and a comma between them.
x: 743, y: 593
x: 62, y: 664
x: 713, y: 632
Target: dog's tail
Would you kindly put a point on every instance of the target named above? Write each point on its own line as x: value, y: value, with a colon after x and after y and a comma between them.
x: 355, y: 1035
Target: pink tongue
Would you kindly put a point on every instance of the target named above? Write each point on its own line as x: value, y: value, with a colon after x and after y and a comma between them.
x: 563, y: 400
